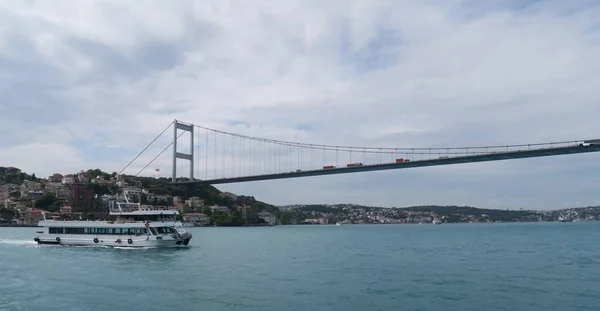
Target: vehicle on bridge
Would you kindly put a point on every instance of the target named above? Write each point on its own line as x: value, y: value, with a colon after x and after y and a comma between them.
x: 354, y: 164
x: 393, y: 158
x: 590, y: 143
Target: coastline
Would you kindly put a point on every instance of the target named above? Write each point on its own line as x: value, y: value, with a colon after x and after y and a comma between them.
x: 357, y: 224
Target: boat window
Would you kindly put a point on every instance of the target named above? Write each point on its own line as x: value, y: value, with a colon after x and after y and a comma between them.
x: 106, y: 231
x: 54, y: 230
x: 153, y: 231
x: 165, y: 230
x: 74, y: 230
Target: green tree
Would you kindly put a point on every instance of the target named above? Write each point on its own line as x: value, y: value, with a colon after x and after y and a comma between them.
x: 48, y: 202
x: 7, y: 213
x: 207, y: 211
x: 100, y: 189
x: 219, y: 218
x: 144, y: 199
x: 236, y: 219
x: 93, y: 173
x: 11, y: 179
x: 286, y: 218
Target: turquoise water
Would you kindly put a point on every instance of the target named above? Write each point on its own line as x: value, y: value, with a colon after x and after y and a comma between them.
x: 526, y: 266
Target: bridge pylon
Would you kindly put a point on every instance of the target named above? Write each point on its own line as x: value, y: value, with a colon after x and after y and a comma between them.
x: 178, y: 155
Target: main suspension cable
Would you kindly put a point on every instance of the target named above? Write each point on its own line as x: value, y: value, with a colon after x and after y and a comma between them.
x: 148, y: 146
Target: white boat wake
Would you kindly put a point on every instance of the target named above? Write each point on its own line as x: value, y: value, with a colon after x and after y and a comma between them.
x: 18, y: 242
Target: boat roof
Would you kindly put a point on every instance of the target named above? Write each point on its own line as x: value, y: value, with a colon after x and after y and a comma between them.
x: 145, y: 212
x: 129, y: 208
x: 100, y: 224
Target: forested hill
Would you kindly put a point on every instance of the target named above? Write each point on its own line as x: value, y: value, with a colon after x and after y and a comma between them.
x: 451, y: 213
x: 13, y: 175
x: 496, y: 214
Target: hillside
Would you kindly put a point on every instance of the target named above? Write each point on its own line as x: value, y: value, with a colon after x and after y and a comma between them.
x: 423, y: 214
x: 315, y: 213
x: 454, y: 213
x: 13, y: 175
x: 158, y: 189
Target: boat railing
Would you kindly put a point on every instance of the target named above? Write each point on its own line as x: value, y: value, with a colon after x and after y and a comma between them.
x: 137, y: 208
x: 74, y: 220
x: 118, y: 221
x: 124, y: 207
x: 154, y: 208
x: 122, y: 221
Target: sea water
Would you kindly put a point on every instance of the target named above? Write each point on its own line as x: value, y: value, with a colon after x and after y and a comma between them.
x: 500, y: 266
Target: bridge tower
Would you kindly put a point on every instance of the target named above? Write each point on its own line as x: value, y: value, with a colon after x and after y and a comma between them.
x: 185, y: 156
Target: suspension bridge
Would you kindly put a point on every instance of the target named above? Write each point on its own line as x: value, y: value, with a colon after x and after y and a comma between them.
x: 219, y: 157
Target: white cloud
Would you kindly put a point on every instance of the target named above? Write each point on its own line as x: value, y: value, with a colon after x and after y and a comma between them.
x: 96, y: 81
x: 38, y: 157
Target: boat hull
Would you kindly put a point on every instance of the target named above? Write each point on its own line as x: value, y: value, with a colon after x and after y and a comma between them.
x: 113, y: 241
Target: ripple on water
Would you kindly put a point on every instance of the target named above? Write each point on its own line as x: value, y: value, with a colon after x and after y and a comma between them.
x: 454, y: 267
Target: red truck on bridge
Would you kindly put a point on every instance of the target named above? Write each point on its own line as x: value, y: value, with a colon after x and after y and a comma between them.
x: 354, y: 164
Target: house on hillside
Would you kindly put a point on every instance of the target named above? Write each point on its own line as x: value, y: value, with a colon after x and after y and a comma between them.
x: 269, y: 218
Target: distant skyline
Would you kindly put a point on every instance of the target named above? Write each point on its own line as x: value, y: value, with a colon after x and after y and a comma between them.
x: 89, y: 84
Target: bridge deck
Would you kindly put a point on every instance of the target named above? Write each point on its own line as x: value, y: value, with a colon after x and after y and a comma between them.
x: 533, y: 153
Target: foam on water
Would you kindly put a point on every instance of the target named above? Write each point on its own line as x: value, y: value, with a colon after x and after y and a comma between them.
x: 128, y: 247
x: 18, y: 242
x: 34, y: 243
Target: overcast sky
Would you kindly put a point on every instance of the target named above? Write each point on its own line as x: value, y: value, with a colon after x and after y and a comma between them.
x: 86, y: 84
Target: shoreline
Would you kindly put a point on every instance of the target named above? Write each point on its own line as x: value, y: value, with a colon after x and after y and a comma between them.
x: 261, y: 225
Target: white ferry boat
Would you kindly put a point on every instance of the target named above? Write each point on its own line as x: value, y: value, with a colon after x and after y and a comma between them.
x: 130, y: 225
